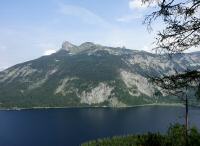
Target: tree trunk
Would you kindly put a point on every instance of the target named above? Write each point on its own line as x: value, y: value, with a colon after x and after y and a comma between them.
x: 186, y: 120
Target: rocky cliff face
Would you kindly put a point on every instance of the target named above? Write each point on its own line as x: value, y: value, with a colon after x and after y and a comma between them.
x: 90, y: 75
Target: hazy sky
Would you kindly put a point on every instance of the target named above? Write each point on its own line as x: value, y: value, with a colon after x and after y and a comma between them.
x: 32, y: 28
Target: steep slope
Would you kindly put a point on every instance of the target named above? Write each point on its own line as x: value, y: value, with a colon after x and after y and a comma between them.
x: 89, y: 75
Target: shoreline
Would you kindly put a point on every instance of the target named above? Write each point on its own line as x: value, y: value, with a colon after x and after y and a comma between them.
x: 83, y: 107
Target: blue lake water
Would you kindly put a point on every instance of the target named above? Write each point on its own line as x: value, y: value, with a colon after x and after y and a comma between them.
x: 70, y: 127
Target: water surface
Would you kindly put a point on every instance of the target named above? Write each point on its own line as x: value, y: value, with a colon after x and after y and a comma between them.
x: 70, y: 127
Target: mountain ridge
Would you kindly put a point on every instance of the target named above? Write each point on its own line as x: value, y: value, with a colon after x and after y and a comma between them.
x: 90, y: 75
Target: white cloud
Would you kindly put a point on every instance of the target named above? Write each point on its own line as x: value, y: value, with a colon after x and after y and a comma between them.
x: 149, y: 47
x: 138, y: 4
x: 129, y: 18
x: 5, y: 63
x: 139, y: 7
x: 83, y: 14
x: 49, y: 52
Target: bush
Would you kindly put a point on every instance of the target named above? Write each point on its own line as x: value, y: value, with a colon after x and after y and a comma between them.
x: 175, y: 136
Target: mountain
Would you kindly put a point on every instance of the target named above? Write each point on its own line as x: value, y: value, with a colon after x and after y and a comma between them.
x: 90, y: 75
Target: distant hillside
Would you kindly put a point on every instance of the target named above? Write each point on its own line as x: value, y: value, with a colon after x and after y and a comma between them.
x: 90, y: 75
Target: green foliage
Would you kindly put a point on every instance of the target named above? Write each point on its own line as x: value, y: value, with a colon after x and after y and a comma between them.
x: 194, y: 137
x: 122, y: 92
x: 174, y: 137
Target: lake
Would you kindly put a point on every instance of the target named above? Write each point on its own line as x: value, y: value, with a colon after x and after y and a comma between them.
x: 70, y: 127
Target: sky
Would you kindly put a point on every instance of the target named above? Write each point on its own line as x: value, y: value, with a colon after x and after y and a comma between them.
x: 33, y: 28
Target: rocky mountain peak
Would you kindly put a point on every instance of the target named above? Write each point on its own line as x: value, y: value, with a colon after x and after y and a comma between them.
x: 87, y: 45
x: 73, y: 49
x: 67, y: 46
